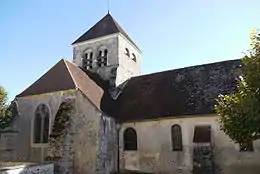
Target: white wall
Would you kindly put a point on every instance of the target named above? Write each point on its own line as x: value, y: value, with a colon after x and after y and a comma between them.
x: 155, y: 153
x: 127, y: 67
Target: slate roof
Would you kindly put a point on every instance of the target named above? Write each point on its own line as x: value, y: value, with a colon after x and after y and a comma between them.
x: 174, y: 93
x: 64, y: 76
x: 106, y: 26
x: 185, y: 91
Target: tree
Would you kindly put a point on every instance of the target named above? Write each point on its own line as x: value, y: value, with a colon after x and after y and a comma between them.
x: 7, y: 112
x: 3, y: 100
x: 240, y: 111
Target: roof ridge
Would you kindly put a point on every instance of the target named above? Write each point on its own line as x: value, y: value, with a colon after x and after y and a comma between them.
x: 57, y: 78
x: 116, y: 24
x: 105, y: 26
x: 200, y: 65
x: 123, y: 33
x: 71, y: 75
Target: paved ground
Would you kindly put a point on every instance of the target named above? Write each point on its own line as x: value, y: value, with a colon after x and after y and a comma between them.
x: 131, y: 172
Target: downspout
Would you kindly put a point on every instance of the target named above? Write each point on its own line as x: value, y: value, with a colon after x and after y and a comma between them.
x: 41, y: 137
x: 118, y: 127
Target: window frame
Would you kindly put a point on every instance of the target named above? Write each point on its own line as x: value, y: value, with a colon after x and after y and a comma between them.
x: 127, y: 52
x: 197, y: 137
x: 37, y: 145
x: 87, y: 61
x: 102, y: 57
x: 134, y: 136
x: 133, y: 57
x: 172, y: 137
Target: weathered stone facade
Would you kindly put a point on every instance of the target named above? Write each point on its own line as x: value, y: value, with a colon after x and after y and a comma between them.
x: 119, y: 67
x: 89, y: 137
x: 108, y: 42
x: 107, y: 146
x: 87, y: 145
x: 155, y: 154
x: 203, y: 162
x: 27, y: 150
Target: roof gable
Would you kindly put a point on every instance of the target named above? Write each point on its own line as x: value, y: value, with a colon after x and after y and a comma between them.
x: 106, y: 26
x: 86, y: 84
x: 58, y: 78
x: 64, y: 76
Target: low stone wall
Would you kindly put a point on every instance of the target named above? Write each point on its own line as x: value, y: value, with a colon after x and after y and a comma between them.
x: 43, y: 168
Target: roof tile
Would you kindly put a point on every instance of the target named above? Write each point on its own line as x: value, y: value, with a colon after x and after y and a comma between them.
x: 106, y: 26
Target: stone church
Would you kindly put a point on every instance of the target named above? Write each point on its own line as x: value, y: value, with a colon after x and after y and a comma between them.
x: 99, y: 114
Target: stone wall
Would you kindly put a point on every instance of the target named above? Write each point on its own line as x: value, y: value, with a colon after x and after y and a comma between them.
x: 111, y: 44
x: 107, y: 146
x: 119, y: 66
x: 44, y: 168
x: 26, y: 150
x: 84, y: 135
x: 203, y: 162
x: 61, y: 139
x: 75, y: 150
x: 87, y: 144
x: 8, y: 144
x: 127, y: 67
x: 155, y: 152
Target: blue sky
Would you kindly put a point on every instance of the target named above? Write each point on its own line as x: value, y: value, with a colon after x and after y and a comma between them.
x: 34, y: 35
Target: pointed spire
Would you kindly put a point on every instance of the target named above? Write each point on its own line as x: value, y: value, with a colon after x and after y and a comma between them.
x: 108, y: 6
x: 106, y: 26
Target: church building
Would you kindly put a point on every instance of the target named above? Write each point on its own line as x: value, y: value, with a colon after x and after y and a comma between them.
x: 99, y: 114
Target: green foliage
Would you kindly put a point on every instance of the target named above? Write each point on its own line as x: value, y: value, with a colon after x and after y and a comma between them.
x: 7, y: 112
x: 240, y: 112
x: 8, y: 115
x: 3, y: 100
x: 61, y: 120
x: 61, y: 123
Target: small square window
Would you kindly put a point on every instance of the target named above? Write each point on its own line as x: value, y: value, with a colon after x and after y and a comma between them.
x: 202, y: 134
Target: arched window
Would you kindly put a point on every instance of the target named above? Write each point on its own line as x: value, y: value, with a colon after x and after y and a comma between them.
x: 105, y: 53
x: 176, y: 137
x: 41, y: 124
x: 104, y: 59
x: 133, y: 57
x: 130, y: 139
x: 100, y: 53
x: 88, y: 61
x: 127, y: 52
x: 99, y: 58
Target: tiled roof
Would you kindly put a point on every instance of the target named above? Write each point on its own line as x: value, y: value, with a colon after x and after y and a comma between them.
x: 106, y: 26
x: 186, y: 91
x: 174, y: 93
x: 64, y: 76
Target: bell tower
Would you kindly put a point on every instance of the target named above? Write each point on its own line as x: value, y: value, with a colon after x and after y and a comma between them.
x: 106, y: 49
